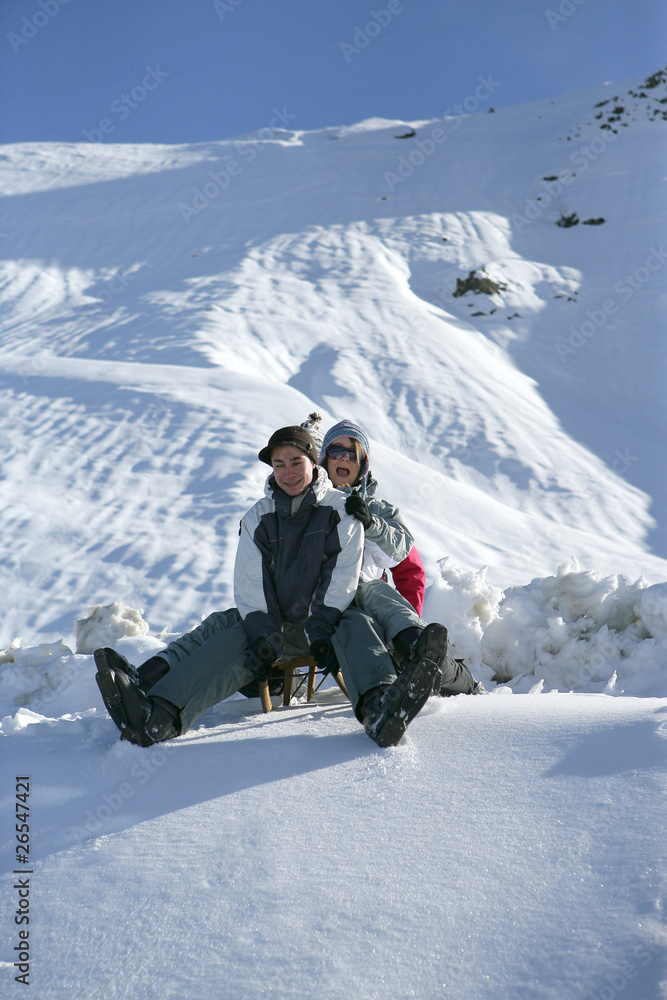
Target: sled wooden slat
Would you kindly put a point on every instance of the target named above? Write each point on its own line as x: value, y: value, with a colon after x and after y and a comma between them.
x: 289, y: 666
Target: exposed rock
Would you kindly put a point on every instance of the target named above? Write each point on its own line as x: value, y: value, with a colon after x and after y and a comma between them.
x: 477, y: 284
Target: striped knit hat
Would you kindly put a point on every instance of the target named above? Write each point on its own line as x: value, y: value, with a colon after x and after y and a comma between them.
x: 345, y: 428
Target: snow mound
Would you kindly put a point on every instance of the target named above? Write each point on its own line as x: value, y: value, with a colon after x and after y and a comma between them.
x: 576, y: 631
x: 10, y: 725
x: 105, y: 624
x: 36, y: 656
x: 651, y: 606
x: 466, y: 603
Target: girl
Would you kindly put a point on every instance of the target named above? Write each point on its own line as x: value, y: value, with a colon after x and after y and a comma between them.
x: 345, y: 455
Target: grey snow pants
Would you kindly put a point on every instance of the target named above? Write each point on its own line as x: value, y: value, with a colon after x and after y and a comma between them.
x: 211, y: 662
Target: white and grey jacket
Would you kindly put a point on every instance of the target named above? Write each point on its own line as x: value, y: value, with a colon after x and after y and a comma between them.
x: 388, y: 541
x: 298, y: 558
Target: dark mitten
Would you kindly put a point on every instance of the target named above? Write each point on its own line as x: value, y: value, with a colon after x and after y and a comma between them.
x: 324, y: 656
x: 263, y: 653
x: 358, y: 507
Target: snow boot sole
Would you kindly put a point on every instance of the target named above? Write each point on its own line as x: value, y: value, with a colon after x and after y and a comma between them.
x: 109, y: 658
x: 124, y: 701
x: 431, y: 644
x: 110, y: 693
x: 401, y: 702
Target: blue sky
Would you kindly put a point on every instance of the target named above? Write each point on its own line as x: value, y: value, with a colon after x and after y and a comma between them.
x: 221, y: 67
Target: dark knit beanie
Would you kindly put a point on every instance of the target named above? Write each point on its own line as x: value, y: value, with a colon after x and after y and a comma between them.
x: 295, y: 436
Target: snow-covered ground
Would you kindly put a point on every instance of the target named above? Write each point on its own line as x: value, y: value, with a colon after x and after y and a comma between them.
x: 510, y: 847
x: 164, y: 309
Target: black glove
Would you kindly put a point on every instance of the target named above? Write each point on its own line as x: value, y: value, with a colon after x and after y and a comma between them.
x: 358, y: 507
x: 324, y: 656
x: 263, y: 654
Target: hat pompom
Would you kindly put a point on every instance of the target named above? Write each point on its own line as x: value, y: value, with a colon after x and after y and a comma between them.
x: 313, y: 426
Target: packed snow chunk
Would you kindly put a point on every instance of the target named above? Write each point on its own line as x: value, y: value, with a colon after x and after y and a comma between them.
x: 23, y: 718
x: 466, y: 603
x: 105, y: 624
x: 40, y: 656
x: 43, y: 677
x: 7, y: 655
x: 581, y: 631
x: 479, y: 598
x: 575, y: 631
x: 650, y: 605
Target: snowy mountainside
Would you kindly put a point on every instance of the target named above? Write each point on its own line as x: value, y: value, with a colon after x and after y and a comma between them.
x: 164, y: 308
x: 158, y: 322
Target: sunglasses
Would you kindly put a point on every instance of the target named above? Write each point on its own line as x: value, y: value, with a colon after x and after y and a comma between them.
x: 338, y: 451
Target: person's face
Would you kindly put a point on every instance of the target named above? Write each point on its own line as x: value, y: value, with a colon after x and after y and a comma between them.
x: 292, y: 469
x: 342, y: 467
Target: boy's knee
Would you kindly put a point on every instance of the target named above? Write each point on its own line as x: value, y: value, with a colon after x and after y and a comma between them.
x: 219, y: 620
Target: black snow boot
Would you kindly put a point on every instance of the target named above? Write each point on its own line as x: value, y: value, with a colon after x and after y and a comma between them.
x: 108, y: 661
x: 146, y: 676
x: 276, y: 684
x: 109, y: 658
x: 389, y: 709
x: 403, y: 644
x: 455, y: 678
x: 152, y: 671
x: 141, y: 720
x: 412, y: 644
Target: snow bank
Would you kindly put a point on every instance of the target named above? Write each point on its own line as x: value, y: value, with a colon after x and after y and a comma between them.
x: 46, y: 678
x: 48, y: 681
x: 36, y: 656
x: 575, y: 631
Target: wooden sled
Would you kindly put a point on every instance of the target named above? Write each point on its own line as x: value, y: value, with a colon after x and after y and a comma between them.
x: 289, y: 667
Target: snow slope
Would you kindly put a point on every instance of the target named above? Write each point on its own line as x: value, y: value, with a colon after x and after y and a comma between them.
x: 163, y: 310
x: 151, y: 294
